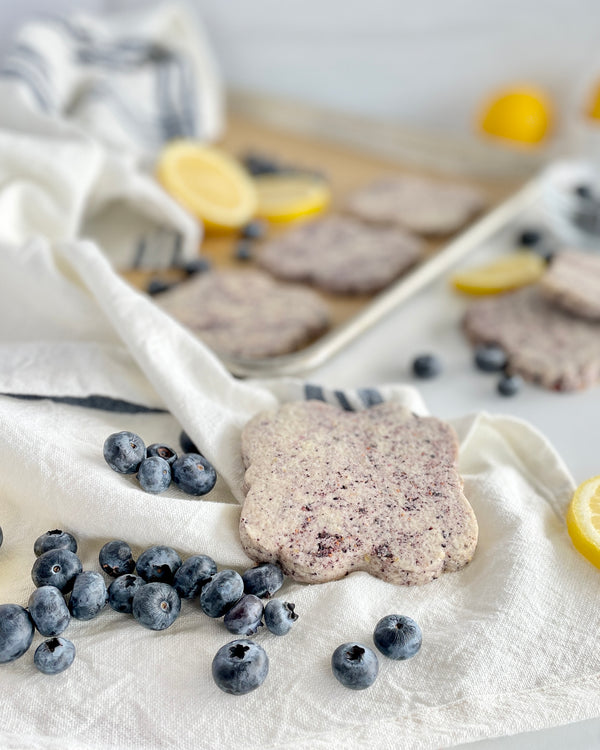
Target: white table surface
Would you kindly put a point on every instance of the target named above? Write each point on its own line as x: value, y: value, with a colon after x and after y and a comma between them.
x: 430, y: 322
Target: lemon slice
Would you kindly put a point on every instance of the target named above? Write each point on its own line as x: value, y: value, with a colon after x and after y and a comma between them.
x: 510, y: 272
x: 209, y: 183
x: 522, y: 114
x: 583, y: 520
x: 284, y: 197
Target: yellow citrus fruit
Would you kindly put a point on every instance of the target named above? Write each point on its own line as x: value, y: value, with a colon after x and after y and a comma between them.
x: 593, y: 109
x: 510, y: 272
x: 521, y: 114
x: 583, y: 520
x: 284, y: 197
x: 208, y: 182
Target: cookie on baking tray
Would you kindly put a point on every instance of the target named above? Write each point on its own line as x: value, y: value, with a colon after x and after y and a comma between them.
x: 341, y: 255
x: 419, y: 204
x: 543, y: 343
x: 572, y: 282
x: 329, y: 492
x: 247, y: 314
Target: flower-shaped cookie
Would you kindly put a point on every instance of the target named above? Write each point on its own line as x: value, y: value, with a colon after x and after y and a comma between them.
x: 330, y: 492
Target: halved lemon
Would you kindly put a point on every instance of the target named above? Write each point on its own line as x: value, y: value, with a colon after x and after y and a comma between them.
x: 522, y: 114
x: 208, y: 182
x: 583, y: 520
x: 510, y: 272
x: 285, y: 197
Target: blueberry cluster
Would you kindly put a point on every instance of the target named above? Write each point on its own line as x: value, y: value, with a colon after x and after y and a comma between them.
x: 488, y: 358
x: 158, y: 464
x: 356, y: 666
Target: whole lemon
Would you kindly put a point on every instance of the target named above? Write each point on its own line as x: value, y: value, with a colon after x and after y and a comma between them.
x: 521, y: 114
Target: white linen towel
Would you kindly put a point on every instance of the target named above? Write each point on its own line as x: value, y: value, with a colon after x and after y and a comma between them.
x: 511, y: 643
x: 87, y: 103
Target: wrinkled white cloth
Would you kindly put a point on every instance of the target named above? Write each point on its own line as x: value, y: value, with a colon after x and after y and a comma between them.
x: 510, y: 643
x: 86, y: 104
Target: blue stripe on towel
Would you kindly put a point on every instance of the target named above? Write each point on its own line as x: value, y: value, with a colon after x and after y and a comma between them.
x: 370, y: 396
x: 313, y: 392
x: 343, y: 401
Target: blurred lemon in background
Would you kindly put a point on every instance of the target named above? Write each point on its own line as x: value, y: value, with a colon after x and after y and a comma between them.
x: 512, y: 271
x: 208, y: 182
x: 593, y: 108
x: 285, y: 197
x: 521, y: 114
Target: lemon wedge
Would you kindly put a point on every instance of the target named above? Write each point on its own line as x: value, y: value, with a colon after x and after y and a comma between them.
x: 209, y: 183
x: 583, y: 520
x: 510, y: 272
x: 285, y: 197
x: 522, y: 114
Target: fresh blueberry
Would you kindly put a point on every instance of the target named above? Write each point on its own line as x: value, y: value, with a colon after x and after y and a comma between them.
x: 124, y: 452
x: 509, y: 385
x: 54, y: 655
x: 354, y: 665
x: 198, y: 265
x: 258, y: 164
x: 187, y: 444
x: 57, y: 567
x: 156, y: 605
x: 48, y: 611
x: 16, y: 632
x: 89, y: 595
x: 157, y: 286
x: 162, y: 451
x: 158, y: 563
x: 122, y: 590
x: 193, y: 474
x: 427, y: 366
x: 397, y: 636
x: 54, y: 539
x: 254, y: 230
x: 193, y: 574
x: 220, y: 593
x: 154, y: 475
x: 240, y: 667
x: 116, y: 558
x: 490, y: 358
x: 584, y: 191
x: 245, y: 617
x: 263, y: 580
x: 280, y: 616
x: 530, y: 237
x: 243, y: 250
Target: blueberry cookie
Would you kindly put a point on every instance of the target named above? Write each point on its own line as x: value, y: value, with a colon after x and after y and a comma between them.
x: 573, y: 283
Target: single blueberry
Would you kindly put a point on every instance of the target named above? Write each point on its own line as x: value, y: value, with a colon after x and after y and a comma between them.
x: 529, y: 237
x: 54, y: 539
x: 258, y: 164
x: 490, y: 358
x: 57, y: 567
x: 54, y: 655
x: 254, y: 230
x: 354, y: 665
x: 220, y: 593
x: 584, y: 191
x: 263, y: 580
x: 89, y: 595
x: 187, y: 444
x: 122, y: 590
x: 427, y: 366
x: 16, y: 632
x: 156, y: 605
x: 245, y: 617
x: 193, y: 474
x: 240, y: 667
x: 158, y: 563
x: 48, y: 611
x: 154, y: 475
x: 243, y: 250
x: 198, y: 265
x: 397, y: 636
x: 162, y: 451
x: 124, y: 451
x: 280, y: 616
x: 509, y: 385
x: 116, y: 558
x: 193, y: 574
x: 157, y: 286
